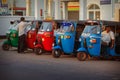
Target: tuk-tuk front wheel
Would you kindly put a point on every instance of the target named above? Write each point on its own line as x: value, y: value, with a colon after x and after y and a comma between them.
x: 5, y: 47
x: 56, y: 53
x: 82, y: 56
x: 38, y: 51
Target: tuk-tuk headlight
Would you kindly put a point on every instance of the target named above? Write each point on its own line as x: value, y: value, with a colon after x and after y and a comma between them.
x: 93, y: 41
x: 29, y: 35
x: 80, y: 39
x: 53, y: 45
x: 58, y: 41
x: 68, y: 36
x: 43, y: 39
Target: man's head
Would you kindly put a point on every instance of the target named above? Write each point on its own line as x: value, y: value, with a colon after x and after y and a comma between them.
x: 11, y: 22
x: 22, y: 19
x: 107, y: 28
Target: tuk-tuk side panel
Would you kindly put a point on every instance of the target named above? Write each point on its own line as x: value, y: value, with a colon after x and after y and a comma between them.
x: 68, y: 43
x: 47, y: 41
x: 30, y: 39
x: 14, y: 39
x: 94, y: 48
x: 111, y: 52
x: 47, y: 44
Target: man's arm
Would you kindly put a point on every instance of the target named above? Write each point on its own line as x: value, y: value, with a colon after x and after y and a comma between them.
x: 112, y: 43
x: 112, y: 39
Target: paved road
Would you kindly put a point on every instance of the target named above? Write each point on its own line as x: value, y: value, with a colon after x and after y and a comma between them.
x: 28, y: 66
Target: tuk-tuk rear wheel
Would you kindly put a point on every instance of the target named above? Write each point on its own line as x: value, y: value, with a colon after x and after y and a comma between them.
x: 5, y: 47
x: 82, y: 56
x: 56, y: 53
x: 38, y: 51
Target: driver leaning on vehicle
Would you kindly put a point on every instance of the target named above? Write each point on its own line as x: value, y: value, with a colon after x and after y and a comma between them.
x: 108, y: 39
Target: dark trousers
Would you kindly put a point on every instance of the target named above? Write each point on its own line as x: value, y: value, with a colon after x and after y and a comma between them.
x: 104, y: 50
x: 21, y: 43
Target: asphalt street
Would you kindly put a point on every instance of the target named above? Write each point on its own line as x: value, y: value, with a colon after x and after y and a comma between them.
x: 29, y: 66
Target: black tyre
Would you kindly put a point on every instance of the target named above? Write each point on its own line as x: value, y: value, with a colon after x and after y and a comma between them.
x: 56, y: 53
x: 38, y: 51
x: 5, y: 47
x: 82, y: 56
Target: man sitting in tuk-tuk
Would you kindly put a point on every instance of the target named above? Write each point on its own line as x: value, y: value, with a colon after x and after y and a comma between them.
x: 108, y: 39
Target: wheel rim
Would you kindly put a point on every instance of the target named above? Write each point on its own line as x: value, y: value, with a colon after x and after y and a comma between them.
x: 38, y: 51
x: 56, y: 53
x: 82, y: 56
x: 6, y: 47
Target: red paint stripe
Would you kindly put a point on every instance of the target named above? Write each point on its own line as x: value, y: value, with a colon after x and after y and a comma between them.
x: 19, y: 8
x: 73, y: 6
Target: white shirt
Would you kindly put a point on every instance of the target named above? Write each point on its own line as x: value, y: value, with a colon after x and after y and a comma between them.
x: 21, y: 27
x: 106, y: 37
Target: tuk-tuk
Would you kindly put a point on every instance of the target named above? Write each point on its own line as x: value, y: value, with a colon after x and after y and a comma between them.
x: 31, y: 33
x: 64, y: 39
x: 90, y: 41
x: 12, y: 37
x: 45, y: 37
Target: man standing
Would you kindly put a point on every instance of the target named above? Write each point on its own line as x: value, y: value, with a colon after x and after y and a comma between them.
x: 21, y: 35
x: 108, y: 39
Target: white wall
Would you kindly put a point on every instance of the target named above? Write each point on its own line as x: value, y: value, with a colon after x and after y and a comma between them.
x: 106, y: 11
x: 5, y: 22
x: 89, y: 2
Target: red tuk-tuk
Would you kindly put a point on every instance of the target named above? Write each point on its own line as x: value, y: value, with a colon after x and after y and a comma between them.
x: 31, y: 34
x: 45, y: 37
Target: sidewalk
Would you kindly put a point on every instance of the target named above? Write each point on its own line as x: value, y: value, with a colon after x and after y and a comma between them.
x: 1, y: 41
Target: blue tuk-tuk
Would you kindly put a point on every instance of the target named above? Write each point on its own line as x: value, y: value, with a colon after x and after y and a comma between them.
x: 90, y: 42
x: 64, y: 39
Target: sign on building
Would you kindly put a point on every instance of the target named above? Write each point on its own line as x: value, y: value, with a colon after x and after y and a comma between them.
x: 104, y: 2
x: 3, y: 3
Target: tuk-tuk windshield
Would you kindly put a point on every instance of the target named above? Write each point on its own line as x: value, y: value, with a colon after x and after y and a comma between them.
x: 66, y: 28
x: 46, y: 26
x: 91, y: 29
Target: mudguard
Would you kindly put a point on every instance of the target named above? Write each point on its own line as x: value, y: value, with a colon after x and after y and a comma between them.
x: 82, y: 49
x: 38, y: 46
x: 57, y: 47
x: 7, y: 42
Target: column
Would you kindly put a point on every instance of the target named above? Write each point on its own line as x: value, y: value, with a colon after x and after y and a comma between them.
x: 45, y: 9
x: 36, y: 10
x: 57, y: 9
x: 50, y: 8
x: 83, y: 10
x: 113, y: 9
x: 65, y: 10
x: 11, y: 6
x: 28, y: 7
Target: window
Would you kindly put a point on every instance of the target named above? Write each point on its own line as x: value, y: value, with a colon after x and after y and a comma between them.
x: 94, y: 12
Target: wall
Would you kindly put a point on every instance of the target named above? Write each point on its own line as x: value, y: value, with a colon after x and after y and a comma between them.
x: 117, y: 13
x: 106, y: 11
x: 5, y: 22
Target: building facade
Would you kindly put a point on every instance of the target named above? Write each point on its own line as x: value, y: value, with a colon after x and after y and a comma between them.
x: 64, y: 9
